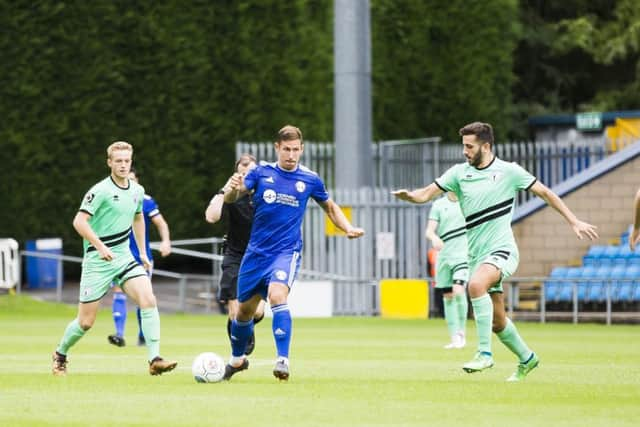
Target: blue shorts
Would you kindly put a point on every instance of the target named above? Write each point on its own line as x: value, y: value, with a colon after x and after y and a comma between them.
x: 258, y: 271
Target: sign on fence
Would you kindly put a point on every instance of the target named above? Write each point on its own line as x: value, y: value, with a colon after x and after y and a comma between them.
x: 589, y: 121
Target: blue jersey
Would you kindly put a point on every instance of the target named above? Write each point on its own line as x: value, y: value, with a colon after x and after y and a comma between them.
x: 280, y: 199
x: 149, y: 210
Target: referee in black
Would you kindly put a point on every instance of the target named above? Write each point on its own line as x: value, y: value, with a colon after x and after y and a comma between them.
x: 239, y: 217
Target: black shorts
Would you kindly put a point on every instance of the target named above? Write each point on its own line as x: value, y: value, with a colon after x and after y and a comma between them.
x: 229, y: 281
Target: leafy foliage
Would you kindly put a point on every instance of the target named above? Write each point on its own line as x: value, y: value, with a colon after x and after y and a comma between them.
x: 438, y: 66
x: 577, y: 55
x: 183, y: 81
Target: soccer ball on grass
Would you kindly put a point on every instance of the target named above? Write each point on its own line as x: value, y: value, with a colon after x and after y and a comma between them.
x: 208, y: 368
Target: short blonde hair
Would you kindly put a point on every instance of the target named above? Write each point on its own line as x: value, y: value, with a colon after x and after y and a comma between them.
x: 289, y: 133
x: 119, y: 145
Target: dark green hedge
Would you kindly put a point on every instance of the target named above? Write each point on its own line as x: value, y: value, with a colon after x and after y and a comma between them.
x: 183, y: 80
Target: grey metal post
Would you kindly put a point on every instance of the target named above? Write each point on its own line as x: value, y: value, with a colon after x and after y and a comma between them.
x: 352, y: 93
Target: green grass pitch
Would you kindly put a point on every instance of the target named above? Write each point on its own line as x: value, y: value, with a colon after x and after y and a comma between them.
x: 344, y: 372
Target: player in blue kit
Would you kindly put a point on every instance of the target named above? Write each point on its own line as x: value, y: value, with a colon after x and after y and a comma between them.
x: 151, y: 214
x: 280, y: 194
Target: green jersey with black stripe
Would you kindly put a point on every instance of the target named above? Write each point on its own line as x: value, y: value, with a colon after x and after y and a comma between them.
x: 451, y: 228
x: 487, y: 198
x: 112, y: 209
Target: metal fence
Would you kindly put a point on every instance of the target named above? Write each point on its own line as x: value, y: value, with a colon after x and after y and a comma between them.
x: 418, y: 162
x: 393, y: 245
x: 196, y: 294
x: 178, y: 292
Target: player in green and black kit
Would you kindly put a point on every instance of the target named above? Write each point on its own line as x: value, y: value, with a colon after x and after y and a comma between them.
x: 448, y: 235
x: 109, y: 212
x: 486, y: 188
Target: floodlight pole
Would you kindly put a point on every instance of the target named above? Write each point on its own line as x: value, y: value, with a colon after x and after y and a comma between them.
x: 352, y: 94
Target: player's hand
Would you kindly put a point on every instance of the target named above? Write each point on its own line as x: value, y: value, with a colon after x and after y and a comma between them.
x: 582, y: 228
x: 634, y: 238
x: 438, y: 244
x: 354, y: 232
x: 145, y: 262
x: 105, y: 253
x: 235, y: 181
x: 403, y: 194
x: 165, y: 248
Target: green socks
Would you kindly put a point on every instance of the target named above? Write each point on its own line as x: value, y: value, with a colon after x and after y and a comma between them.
x: 483, y: 311
x: 514, y: 342
x: 151, y: 330
x: 451, y: 315
x: 463, y: 310
x: 71, y: 336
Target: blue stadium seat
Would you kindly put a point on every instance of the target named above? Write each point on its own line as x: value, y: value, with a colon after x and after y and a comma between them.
x: 629, y: 287
x: 610, y: 254
x: 588, y: 272
x: 551, y: 288
x: 560, y: 272
x: 594, y: 255
x: 554, y: 284
x: 622, y: 256
x: 566, y: 289
x: 616, y: 275
x: 597, y: 290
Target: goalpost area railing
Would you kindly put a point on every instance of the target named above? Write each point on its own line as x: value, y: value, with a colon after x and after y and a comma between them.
x: 195, y: 293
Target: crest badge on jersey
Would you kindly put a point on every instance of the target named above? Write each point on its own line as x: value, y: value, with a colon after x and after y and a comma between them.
x: 300, y: 186
x: 89, y: 197
x: 496, y: 176
x: 269, y: 196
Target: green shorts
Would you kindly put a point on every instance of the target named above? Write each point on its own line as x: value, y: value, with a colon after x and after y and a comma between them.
x: 504, y: 259
x: 449, y: 271
x: 98, y: 275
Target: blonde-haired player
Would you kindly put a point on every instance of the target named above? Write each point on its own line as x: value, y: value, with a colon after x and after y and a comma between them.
x: 109, y: 212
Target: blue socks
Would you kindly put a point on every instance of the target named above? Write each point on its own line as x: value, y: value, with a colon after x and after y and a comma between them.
x: 140, y: 333
x: 240, y: 333
x: 281, y: 327
x: 119, y: 310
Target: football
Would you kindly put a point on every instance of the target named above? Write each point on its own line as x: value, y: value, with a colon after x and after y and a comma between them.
x: 208, y: 368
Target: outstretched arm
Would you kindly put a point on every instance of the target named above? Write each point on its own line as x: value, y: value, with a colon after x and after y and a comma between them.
x: 214, y: 210
x: 579, y: 227
x: 236, y: 188
x: 421, y: 195
x: 337, y: 217
x: 635, y: 233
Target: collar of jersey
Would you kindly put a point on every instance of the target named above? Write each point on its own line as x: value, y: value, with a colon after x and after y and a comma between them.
x: 286, y: 171
x: 490, y: 163
x: 121, y: 188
